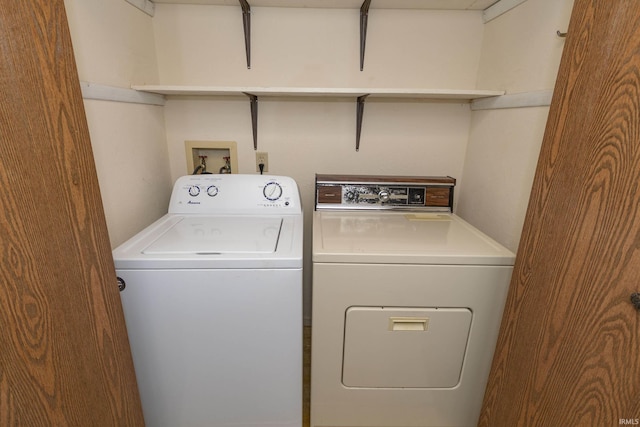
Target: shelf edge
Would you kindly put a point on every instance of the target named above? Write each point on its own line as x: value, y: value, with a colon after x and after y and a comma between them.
x: 175, y: 90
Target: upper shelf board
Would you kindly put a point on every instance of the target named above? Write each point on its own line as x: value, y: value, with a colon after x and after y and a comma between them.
x: 319, y: 92
x: 351, y: 4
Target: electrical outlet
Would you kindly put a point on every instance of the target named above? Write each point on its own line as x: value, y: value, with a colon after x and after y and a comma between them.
x: 262, y: 157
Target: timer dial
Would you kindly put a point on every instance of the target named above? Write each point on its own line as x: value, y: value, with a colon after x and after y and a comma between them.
x: 212, y: 190
x: 194, y: 190
x: 272, y: 191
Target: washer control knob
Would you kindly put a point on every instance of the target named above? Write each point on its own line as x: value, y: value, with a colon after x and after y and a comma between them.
x: 212, y: 191
x: 383, y: 195
x: 272, y: 191
x: 194, y: 190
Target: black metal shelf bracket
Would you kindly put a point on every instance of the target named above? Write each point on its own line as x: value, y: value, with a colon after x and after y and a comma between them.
x: 246, y: 23
x: 254, y: 118
x: 364, y: 17
x: 359, y: 116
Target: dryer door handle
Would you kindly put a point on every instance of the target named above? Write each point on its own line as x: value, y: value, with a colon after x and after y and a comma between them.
x: 409, y: 324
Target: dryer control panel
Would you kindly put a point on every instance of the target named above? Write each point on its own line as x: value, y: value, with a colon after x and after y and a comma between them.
x: 434, y: 194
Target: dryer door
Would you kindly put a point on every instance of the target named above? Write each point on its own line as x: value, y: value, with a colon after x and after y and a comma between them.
x: 391, y: 347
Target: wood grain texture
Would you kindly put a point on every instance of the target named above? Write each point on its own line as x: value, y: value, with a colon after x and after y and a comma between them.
x: 64, y: 353
x: 568, y: 352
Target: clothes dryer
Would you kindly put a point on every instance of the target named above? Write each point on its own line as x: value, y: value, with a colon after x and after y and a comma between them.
x: 407, y: 304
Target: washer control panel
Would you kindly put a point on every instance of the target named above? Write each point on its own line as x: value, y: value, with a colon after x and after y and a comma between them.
x: 384, y: 192
x: 234, y: 193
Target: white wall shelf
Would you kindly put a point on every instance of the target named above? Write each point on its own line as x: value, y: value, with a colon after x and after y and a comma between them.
x: 350, y: 4
x: 390, y: 93
x: 359, y: 94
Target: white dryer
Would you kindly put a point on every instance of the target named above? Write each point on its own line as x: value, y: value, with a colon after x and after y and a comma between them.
x: 212, y: 297
x: 407, y: 304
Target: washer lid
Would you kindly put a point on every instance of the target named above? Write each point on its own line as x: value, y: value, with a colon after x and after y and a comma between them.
x: 218, y: 235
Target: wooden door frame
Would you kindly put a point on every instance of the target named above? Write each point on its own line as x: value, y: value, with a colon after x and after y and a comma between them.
x: 568, y: 350
x: 64, y: 352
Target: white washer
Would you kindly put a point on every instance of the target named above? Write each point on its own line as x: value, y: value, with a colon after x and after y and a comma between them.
x: 407, y: 304
x: 213, y: 304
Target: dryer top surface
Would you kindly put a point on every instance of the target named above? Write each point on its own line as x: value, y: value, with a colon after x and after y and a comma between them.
x: 403, y: 238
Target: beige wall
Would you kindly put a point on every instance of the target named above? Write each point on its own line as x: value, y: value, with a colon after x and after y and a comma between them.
x: 204, y: 45
x: 113, y: 44
x: 521, y: 50
x: 520, y: 53
x: 129, y: 146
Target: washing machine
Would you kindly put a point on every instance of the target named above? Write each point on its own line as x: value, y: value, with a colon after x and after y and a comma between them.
x: 407, y: 304
x: 212, y: 297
